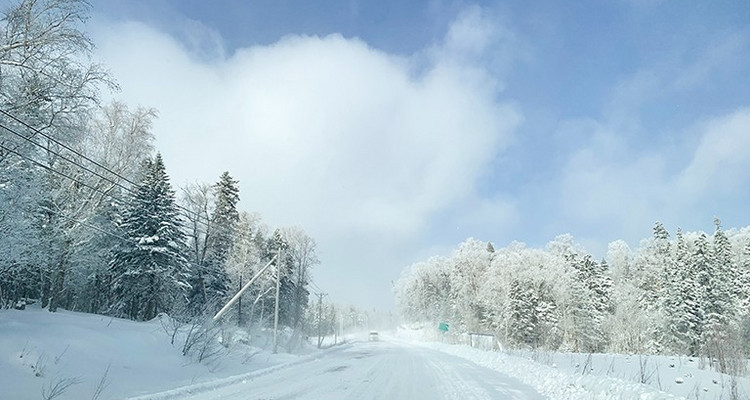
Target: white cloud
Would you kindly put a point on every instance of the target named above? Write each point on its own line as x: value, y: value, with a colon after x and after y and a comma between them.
x: 622, y: 174
x: 607, y: 187
x: 604, y: 182
x: 721, y: 161
x: 327, y: 133
x: 717, y: 60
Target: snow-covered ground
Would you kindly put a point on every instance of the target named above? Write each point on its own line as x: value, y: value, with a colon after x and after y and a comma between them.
x: 100, y: 358
x: 596, y: 376
x: 41, y: 352
x: 369, y: 370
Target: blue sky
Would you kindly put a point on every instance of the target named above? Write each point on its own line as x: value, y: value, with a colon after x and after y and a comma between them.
x: 393, y: 130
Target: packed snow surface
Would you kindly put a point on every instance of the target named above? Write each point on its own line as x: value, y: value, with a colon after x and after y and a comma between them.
x: 370, y: 370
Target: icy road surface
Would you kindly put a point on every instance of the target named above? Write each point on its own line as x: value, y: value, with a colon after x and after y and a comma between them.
x: 377, y: 370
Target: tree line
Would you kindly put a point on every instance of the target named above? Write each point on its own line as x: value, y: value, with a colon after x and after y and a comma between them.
x: 688, y: 294
x: 89, y: 220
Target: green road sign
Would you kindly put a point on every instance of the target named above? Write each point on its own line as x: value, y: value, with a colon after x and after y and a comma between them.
x: 443, y: 326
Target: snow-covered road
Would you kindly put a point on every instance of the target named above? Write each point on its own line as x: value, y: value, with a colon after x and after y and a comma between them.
x: 378, y: 370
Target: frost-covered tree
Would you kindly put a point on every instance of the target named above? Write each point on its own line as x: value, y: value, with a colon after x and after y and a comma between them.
x: 224, y: 220
x: 49, y: 83
x: 700, y: 266
x: 649, y: 276
x: 470, y: 263
x: 149, y: 270
x: 197, y: 200
x: 19, y: 238
x: 303, y: 256
x: 667, y: 296
x: 719, y: 302
x: 243, y: 261
x: 532, y: 312
x: 588, y: 303
x: 743, y: 282
x: 684, y: 315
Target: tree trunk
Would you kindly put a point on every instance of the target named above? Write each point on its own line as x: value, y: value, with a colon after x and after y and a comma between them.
x: 46, y: 284
x: 58, y: 283
x: 57, y: 289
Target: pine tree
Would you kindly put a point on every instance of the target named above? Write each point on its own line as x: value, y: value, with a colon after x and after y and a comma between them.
x: 282, y: 267
x: 682, y: 303
x: 701, y: 268
x: 523, y: 301
x: 590, y: 301
x: 651, y: 270
x: 743, y: 283
x: 719, y: 301
x: 224, y: 220
x: 149, y: 271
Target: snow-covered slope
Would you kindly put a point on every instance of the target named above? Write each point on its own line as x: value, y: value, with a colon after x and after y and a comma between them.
x: 40, y: 350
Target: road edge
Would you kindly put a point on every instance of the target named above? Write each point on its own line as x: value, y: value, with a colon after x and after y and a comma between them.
x: 196, y: 388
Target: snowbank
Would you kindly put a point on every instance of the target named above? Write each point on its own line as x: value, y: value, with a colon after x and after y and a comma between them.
x: 86, y: 354
x: 564, y: 376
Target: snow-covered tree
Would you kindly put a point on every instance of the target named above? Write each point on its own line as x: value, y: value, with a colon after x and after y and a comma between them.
x: 197, y: 200
x: 48, y: 87
x: 588, y: 303
x: 150, y: 273
x: 244, y: 260
x: 303, y: 253
x: 719, y: 302
x: 684, y: 315
x: 224, y: 220
x: 667, y: 296
x: 470, y: 263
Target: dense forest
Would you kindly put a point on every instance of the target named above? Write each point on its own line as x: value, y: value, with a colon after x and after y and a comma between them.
x: 89, y: 220
x: 686, y: 294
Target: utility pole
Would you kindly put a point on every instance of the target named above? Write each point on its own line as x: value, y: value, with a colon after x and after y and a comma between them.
x: 239, y: 305
x: 341, y: 325
x: 244, y: 288
x: 276, y: 308
x: 320, y: 318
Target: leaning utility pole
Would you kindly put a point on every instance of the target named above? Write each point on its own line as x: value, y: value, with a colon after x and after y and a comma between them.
x: 239, y: 294
x: 276, y: 308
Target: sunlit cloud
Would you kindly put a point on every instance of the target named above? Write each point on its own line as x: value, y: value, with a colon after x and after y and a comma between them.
x: 326, y: 132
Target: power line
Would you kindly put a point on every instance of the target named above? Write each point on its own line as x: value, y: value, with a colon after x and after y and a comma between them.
x: 59, y: 173
x: 73, y: 179
x: 112, y: 196
x: 315, y: 286
x: 63, y: 145
x: 65, y: 158
x: 85, y: 224
x: 16, y: 147
x: 189, y: 212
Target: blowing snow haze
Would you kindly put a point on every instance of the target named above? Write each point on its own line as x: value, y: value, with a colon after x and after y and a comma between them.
x: 392, y: 131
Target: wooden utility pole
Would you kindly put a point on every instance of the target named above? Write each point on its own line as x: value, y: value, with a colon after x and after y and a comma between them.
x: 276, y: 307
x: 320, y: 318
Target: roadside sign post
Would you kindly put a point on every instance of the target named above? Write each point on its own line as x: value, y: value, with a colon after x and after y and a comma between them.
x: 443, y: 327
